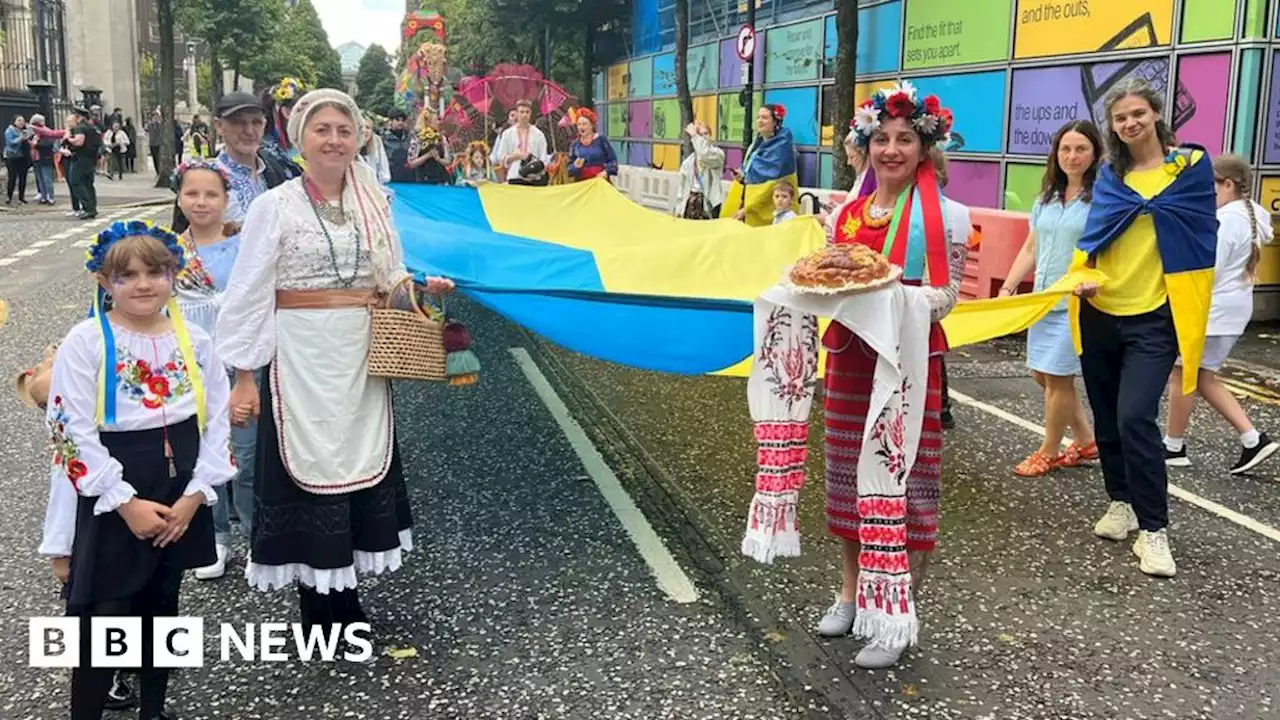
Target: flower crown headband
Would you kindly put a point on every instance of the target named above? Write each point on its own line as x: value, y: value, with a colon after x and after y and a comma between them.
x: 778, y: 111
x: 187, y: 166
x: 289, y: 90
x: 96, y: 255
x: 926, y: 115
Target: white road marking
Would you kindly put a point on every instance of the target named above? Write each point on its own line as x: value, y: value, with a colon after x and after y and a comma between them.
x: 8, y: 261
x: 82, y: 243
x: 63, y: 235
x: 1181, y: 493
x: 672, y: 580
x: 26, y: 252
x: 42, y: 243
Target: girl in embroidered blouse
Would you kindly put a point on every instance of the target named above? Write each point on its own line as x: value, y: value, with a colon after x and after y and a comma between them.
x: 473, y: 168
x: 590, y: 154
x: 898, y: 128
x: 210, y: 248
x: 1057, y: 221
x: 139, y: 421
x: 331, y: 500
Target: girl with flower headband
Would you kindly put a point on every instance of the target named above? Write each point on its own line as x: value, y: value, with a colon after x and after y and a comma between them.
x: 429, y: 151
x: 139, y: 422
x: 474, y: 168
x: 907, y: 219
x: 772, y: 157
x: 279, y: 101
x: 590, y: 154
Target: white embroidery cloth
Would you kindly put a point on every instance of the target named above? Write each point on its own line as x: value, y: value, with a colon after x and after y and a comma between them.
x: 894, y: 322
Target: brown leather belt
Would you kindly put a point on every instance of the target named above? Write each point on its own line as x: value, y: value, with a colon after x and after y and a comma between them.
x: 323, y: 299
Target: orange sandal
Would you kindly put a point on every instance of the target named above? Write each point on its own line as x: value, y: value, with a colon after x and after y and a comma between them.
x: 1076, y: 455
x: 1036, y: 465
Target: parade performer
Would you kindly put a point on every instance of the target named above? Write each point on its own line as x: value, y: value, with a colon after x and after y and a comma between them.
x: 473, y: 167
x: 908, y: 220
x: 701, y: 189
x: 331, y: 497
x: 1057, y: 221
x: 139, y: 422
x: 772, y: 157
x: 1244, y: 227
x: 1153, y: 207
x: 279, y: 102
x: 429, y: 152
x: 591, y: 154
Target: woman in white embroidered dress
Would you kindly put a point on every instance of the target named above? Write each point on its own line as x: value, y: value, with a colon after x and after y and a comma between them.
x: 331, y: 499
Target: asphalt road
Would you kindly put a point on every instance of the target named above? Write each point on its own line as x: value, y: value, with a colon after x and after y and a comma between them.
x: 527, y: 598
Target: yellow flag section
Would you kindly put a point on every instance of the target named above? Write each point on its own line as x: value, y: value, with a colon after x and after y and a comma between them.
x: 758, y: 201
x: 644, y: 252
x: 978, y: 321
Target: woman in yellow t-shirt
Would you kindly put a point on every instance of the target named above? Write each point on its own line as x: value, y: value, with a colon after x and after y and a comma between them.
x: 1152, y: 250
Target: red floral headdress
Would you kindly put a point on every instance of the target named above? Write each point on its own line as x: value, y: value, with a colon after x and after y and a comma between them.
x: 779, y: 112
x: 927, y: 116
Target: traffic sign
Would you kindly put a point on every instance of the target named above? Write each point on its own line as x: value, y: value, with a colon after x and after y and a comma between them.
x: 747, y: 43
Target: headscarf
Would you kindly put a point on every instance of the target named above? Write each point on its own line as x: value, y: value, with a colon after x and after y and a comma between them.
x: 361, y: 192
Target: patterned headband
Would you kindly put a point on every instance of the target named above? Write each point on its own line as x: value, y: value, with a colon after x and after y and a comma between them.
x: 96, y: 255
x: 175, y: 180
x: 927, y: 116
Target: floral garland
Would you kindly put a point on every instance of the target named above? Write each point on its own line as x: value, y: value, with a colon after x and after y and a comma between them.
x: 428, y: 135
x: 175, y: 180
x: 779, y: 112
x: 96, y: 255
x: 289, y: 90
x: 927, y: 116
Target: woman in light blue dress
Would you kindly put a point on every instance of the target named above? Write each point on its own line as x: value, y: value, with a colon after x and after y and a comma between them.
x: 1057, y: 222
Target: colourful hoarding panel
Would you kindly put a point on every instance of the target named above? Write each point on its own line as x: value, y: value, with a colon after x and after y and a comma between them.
x: 1269, y: 264
x: 807, y: 169
x: 826, y: 170
x: 793, y: 52
x: 1021, y: 184
x: 617, y: 120
x: 976, y: 184
x: 640, y: 122
x: 704, y: 67
x: 940, y: 33
x: 802, y: 112
x: 1200, y: 114
x: 1066, y: 27
x: 602, y: 120
x: 666, y: 157
x: 639, y: 154
x: 1205, y: 20
x: 618, y: 81
x: 666, y: 119
x: 732, y: 160
x: 664, y: 75
x: 640, y: 84
x: 1271, y: 143
x: 600, y: 86
x: 732, y: 116
x: 879, y: 40
x: 1044, y: 99
x: 731, y: 64
x: 706, y: 110
x: 977, y: 100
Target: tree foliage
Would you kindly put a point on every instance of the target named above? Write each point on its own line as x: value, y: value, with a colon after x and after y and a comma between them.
x: 296, y: 45
x: 236, y: 31
x: 375, y: 81
x: 303, y: 27
x: 846, y: 78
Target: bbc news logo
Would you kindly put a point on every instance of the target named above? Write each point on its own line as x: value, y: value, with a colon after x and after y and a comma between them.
x: 179, y: 642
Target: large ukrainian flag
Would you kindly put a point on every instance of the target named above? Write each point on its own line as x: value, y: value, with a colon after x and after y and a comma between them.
x: 590, y: 270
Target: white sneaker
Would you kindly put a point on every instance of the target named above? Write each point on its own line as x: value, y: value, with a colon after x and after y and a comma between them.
x: 216, y: 570
x: 1117, y: 523
x: 875, y: 656
x: 1154, y: 556
x: 838, y: 620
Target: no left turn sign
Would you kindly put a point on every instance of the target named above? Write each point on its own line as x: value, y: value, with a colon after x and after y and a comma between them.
x: 747, y: 42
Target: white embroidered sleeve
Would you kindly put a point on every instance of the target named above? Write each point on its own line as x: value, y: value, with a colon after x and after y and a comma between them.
x: 79, y: 456
x: 942, y: 300
x: 59, y: 518
x: 214, y: 465
x: 247, y: 322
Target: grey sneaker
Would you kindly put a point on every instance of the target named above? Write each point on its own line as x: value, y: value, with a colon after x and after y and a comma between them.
x: 876, y: 656
x: 839, y: 619
x: 1154, y: 556
x: 1117, y: 523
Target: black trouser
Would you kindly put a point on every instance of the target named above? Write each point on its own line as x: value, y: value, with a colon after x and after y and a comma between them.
x: 81, y: 178
x: 116, y: 165
x: 18, y: 168
x: 331, y: 608
x: 89, y: 685
x: 1126, y: 364
x: 155, y: 158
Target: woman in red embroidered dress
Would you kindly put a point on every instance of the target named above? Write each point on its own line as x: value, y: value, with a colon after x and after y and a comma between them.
x: 928, y: 233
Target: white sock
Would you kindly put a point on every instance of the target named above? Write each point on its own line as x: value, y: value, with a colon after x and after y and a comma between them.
x: 1250, y: 439
x: 1172, y: 444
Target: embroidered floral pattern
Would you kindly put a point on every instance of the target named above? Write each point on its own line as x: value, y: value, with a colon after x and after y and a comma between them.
x: 792, y: 367
x: 152, y: 387
x: 65, y: 452
x: 890, y: 432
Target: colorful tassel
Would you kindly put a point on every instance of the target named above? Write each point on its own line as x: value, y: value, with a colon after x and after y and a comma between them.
x: 462, y: 368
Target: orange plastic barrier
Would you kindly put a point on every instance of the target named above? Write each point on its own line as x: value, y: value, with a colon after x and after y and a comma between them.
x: 1002, y: 233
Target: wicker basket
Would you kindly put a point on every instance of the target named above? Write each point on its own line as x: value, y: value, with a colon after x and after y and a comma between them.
x: 406, y: 344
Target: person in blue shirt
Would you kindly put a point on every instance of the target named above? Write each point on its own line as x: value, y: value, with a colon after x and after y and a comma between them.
x: 591, y: 154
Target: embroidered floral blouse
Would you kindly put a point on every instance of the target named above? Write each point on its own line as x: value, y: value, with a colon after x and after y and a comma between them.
x: 154, y: 390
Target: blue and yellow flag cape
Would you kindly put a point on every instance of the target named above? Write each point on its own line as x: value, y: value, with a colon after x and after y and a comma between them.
x: 590, y: 270
x: 1186, y: 223
x: 768, y: 161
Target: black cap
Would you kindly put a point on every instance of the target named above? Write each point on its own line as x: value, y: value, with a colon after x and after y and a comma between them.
x: 396, y: 114
x: 81, y: 111
x: 234, y: 102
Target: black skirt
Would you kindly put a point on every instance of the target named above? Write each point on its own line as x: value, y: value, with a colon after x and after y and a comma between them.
x: 294, y: 526
x: 107, y: 561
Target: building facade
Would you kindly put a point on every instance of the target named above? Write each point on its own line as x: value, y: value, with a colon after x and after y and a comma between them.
x: 33, y: 50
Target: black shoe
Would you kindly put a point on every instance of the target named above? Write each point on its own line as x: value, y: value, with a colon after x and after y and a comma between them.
x: 1251, y: 458
x: 1176, y: 458
x: 121, y: 695
x: 87, y: 215
x: 948, y: 422
x: 164, y: 715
